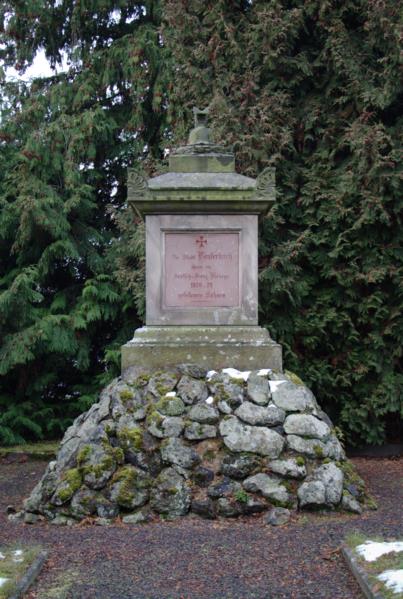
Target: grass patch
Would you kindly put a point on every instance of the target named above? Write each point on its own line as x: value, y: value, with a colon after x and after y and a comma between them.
x: 387, y: 561
x: 40, y: 451
x: 14, y: 562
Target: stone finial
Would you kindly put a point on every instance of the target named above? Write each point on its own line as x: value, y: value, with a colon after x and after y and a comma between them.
x: 200, y: 134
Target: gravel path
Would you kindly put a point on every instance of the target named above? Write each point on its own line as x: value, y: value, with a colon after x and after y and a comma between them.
x: 197, y: 559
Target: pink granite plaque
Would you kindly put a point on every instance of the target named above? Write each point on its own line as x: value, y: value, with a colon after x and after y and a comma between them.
x: 201, y: 269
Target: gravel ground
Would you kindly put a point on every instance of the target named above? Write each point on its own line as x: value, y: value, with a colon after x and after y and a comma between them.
x: 197, y: 559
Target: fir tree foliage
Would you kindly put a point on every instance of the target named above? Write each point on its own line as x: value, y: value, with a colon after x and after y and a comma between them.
x: 313, y: 89
x: 66, y: 142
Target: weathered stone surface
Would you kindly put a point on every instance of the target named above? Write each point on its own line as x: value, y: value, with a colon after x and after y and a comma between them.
x: 162, y: 383
x: 291, y: 467
x: 174, y: 451
x: 269, y: 487
x: 97, y: 465
x: 239, y: 466
x: 313, y: 448
x: 196, y: 431
x: 258, y: 389
x: 203, y: 476
x: 84, y: 503
x: 312, y: 494
x: 253, y: 414
x: 324, y: 487
x: 224, y: 488
x: 170, y: 405
x: 204, y: 413
x: 168, y: 426
x: 293, y: 398
x: 129, y: 487
x: 306, y: 425
x: 143, y: 445
x: 228, y: 508
x: 222, y: 387
x: 350, y: 504
x: 224, y: 407
x: 332, y: 477
x: 241, y: 437
x: 205, y: 508
x: 278, y: 516
x: 170, y: 495
x: 139, y: 517
x: 193, y: 370
x: 192, y: 390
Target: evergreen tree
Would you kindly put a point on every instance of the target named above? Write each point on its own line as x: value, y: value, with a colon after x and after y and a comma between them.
x: 66, y: 142
x: 312, y: 88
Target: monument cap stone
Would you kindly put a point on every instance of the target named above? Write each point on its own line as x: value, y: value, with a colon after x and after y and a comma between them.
x: 201, y: 259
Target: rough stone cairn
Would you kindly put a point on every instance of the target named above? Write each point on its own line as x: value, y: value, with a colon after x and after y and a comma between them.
x: 225, y: 443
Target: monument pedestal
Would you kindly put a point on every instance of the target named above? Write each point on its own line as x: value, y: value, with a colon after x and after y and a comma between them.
x: 201, y: 222
x: 244, y: 348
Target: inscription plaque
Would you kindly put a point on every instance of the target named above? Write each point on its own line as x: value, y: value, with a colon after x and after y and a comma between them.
x: 201, y: 269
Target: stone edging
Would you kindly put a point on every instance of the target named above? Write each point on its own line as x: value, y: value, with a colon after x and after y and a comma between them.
x: 359, y: 574
x: 30, y: 575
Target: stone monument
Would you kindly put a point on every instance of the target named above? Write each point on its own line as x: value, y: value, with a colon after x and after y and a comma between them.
x: 184, y: 430
x: 201, y: 260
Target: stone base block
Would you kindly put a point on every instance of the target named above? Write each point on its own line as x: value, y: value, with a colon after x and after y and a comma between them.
x: 244, y: 348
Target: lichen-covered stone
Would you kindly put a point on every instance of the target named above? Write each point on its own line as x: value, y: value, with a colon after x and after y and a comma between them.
x: 191, y: 390
x: 170, y: 495
x: 222, y: 387
x: 288, y: 467
x: 170, y: 406
x: 156, y: 441
x: 324, y: 487
x: 129, y: 487
x: 174, y: 451
x: 306, y: 425
x: 253, y: 414
x: 195, y: 431
x: 258, y: 389
x: 293, y: 398
x: 162, y: 383
x: 269, y: 487
x: 278, y: 516
x: 204, y: 413
x: 242, y: 437
x: 164, y: 426
x: 240, y: 465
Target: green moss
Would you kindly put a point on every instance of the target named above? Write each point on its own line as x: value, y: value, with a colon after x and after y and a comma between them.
x: 70, y: 483
x: 142, y: 380
x: 327, y: 461
x: 209, y: 455
x: 318, y: 451
x: 171, y: 406
x: 294, y: 378
x: 129, y: 481
x: 131, y: 437
x: 370, y: 502
x: 83, y: 454
x: 300, y: 461
x: 119, y: 455
x: 154, y: 418
x: 126, y: 395
x: 241, y: 496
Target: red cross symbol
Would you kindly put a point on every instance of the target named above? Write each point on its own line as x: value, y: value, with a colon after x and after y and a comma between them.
x: 201, y: 241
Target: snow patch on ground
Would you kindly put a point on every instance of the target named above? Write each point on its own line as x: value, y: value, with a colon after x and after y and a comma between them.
x: 371, y: 550
x: 210, y: 400
x: 3, y: 581
x: 210, y: 374
x: 264, y: 372
x: 274, y: 385
x: 2, y: 556
x: 393, y: 580
x: 170, y: 394
x: 237, y: 374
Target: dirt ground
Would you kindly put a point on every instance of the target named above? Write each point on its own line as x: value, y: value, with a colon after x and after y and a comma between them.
x: 198, y: 559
